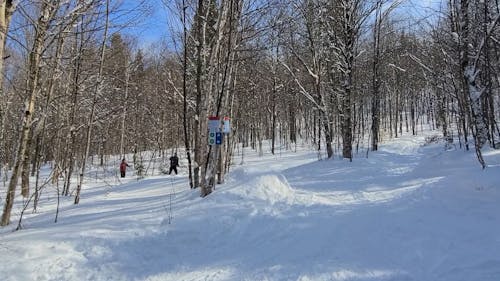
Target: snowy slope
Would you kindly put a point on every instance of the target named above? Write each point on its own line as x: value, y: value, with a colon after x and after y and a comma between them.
x: 408, y: 212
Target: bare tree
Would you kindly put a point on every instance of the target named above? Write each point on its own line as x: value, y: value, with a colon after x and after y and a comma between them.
x: 381, y: 14
x: 470, y: 56
x: 184, y: 94
x: 7, y: 8
x: 47, y: 11
x: 95, y: 99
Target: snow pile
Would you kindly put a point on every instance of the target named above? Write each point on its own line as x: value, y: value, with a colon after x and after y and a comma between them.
x: 271, y: 188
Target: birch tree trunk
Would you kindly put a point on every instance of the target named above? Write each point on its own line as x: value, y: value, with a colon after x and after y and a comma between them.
x: 471, y: 87
x: 97, y: 94
x: 210, y: 87
x: 46, y: 13
x: 54, y: 75
x: 7, y: 8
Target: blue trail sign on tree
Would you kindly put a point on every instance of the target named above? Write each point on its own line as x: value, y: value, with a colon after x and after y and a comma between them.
x: 218, y: 138
x: 213, y: 129
x: 211, y: 138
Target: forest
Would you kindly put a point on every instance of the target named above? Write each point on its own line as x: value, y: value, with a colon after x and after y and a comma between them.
x: 343, y: 75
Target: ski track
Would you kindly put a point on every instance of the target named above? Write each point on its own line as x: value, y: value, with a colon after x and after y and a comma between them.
x: 277, y: 217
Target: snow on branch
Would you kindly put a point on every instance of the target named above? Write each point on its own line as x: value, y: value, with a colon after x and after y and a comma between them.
x: 417, y: 60
x: 397, y: 67
x: 483, y: 41
x: 303, y: 91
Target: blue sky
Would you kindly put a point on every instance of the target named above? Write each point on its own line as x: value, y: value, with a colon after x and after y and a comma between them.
x: 160, y: 21
x: 153, y: 27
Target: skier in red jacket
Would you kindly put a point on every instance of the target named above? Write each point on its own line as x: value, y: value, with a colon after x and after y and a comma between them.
x: 123, y: 167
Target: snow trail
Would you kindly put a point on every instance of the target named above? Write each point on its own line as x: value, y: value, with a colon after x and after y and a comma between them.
x: 408, y: 212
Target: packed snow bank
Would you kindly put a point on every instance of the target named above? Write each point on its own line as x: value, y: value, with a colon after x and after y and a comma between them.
x: 272, y: 188
x: 408, y: 212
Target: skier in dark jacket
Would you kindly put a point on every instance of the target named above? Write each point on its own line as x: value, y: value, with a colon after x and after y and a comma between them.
x: 123, y: 167
x: 174, y: 162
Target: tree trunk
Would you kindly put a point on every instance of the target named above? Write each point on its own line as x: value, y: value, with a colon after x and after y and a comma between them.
x: 7, y: 8
x: 24, y: 150
x: 199, y: 150
x: 184, y: 91
x: 273, y: 117
x: 470, y: 86
x: 124, y: 115
x: 97, y: 95
x: 376, y: 78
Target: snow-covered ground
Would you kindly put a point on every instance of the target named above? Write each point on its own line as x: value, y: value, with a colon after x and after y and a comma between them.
x: 407, y: 212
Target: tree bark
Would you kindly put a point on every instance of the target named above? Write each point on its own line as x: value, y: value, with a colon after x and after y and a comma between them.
x: 471, y: 88
x: 184, y: 92
x: 23, y: 153
x: 200, y: 111
x: 7, y: 8
x: 97, y: 94
x: 376, y: 77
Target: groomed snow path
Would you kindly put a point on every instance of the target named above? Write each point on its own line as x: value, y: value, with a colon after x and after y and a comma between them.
x: 407, y: 212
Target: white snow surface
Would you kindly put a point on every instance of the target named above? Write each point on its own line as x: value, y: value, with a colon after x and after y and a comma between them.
x: 407, y: 212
